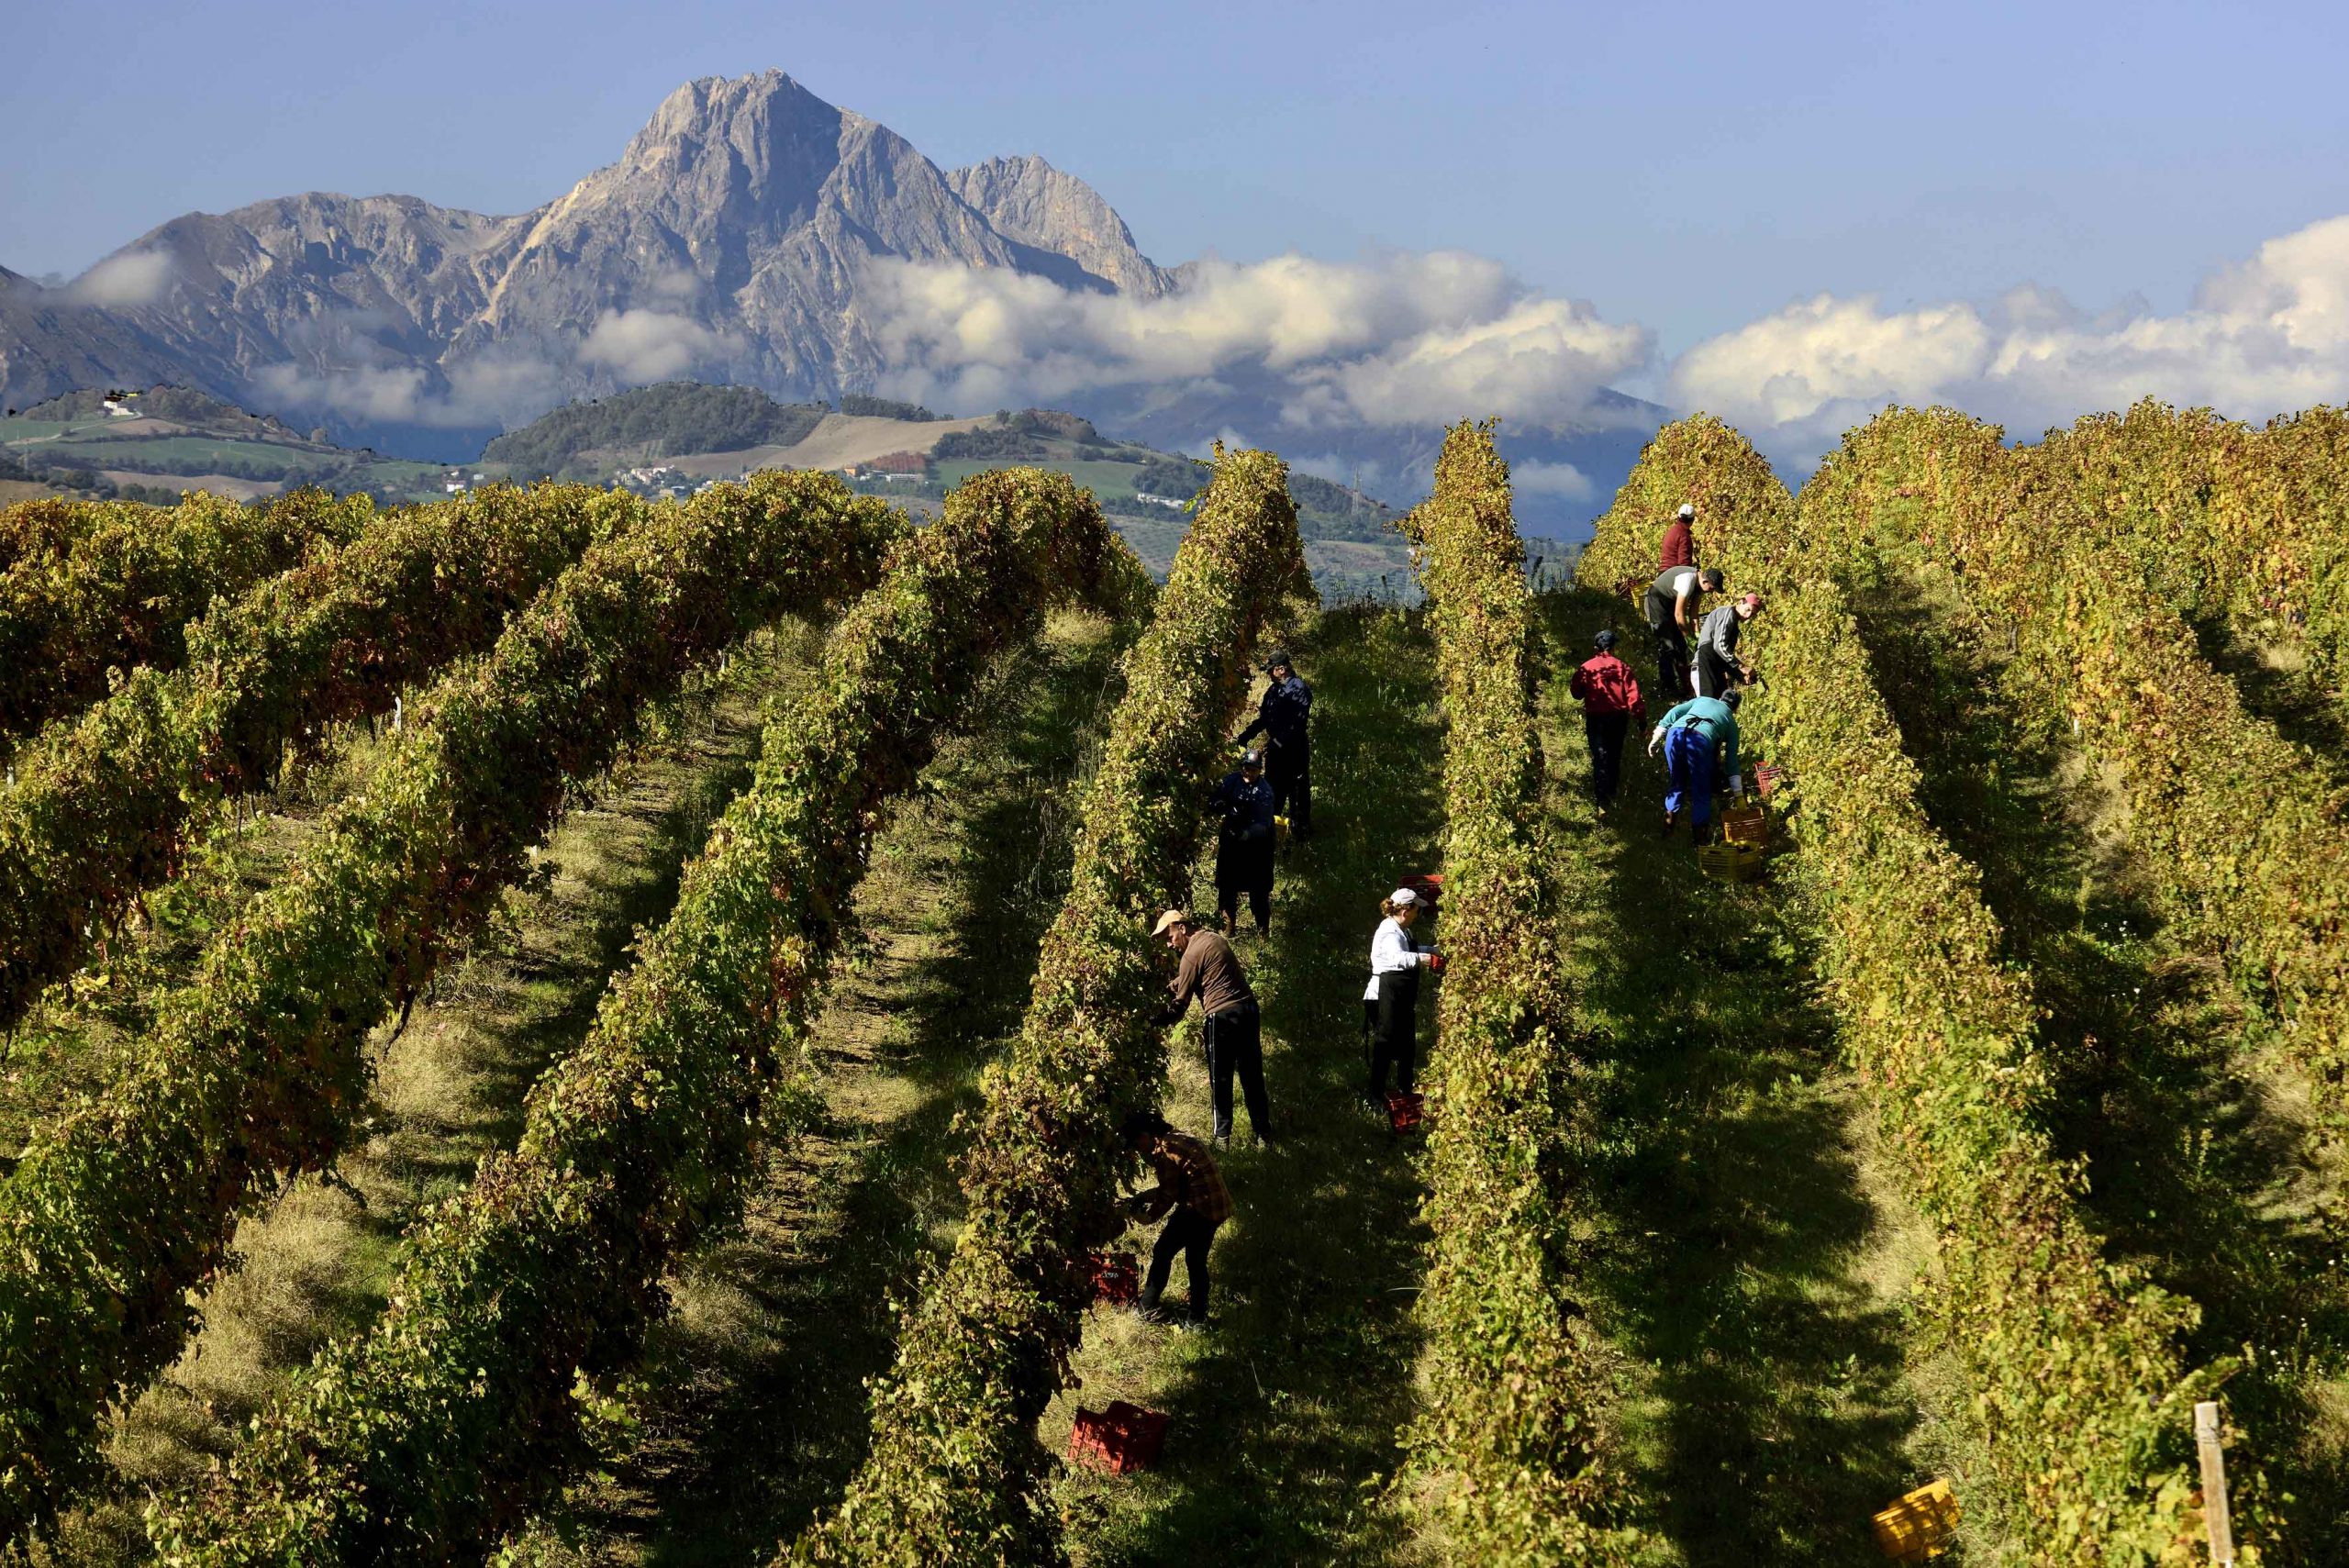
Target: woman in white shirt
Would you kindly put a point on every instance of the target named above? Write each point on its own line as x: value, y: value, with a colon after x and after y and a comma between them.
x: 1390, y: 1010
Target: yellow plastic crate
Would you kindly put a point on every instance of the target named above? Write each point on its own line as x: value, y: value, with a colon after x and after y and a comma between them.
x: 1745, y: 825
x: 1917, y: 1528
x: 1730, y: 862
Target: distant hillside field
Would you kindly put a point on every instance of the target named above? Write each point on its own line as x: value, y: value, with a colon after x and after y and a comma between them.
x: 156, y: 443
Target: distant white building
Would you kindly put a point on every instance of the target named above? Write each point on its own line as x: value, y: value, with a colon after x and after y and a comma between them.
x: 1160, y: 500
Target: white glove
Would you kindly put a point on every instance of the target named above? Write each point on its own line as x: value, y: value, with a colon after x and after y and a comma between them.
x: 1737, y: 783
x: 1655, y: 740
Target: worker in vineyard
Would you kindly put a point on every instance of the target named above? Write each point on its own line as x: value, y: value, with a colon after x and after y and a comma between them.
x: 1699, y: 742
x: 1283, y: 718
x: 1242, y: 807
x: 1391, y: 1006
x: 1610, y: 700
x: 1679, y: 547
x: 1191, y: 1194
x: 1719, y: 666
x: 1208, y: 972
x: 1672, y: 601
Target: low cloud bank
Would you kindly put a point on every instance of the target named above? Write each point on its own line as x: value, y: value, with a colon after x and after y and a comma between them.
x: 1406, y: 339
x: 2264, y: 335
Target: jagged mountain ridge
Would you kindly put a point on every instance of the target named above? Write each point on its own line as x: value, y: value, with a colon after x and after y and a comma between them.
x: 728, y: 243
x: 727, y: 239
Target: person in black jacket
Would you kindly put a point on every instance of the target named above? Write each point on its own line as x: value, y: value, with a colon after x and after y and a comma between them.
x: 1242, y: 805
x: 1283, y: 718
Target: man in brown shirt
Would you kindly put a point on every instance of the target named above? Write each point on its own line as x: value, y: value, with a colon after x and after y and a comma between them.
x: 1190, y: 1185
x: 1208, y: 970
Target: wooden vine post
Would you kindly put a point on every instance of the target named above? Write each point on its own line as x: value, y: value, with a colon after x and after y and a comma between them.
x: 2214, y: 1484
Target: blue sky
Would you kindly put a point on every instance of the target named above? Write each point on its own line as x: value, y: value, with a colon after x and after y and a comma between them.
x: 1692, y: 168
x: 1686, y: 166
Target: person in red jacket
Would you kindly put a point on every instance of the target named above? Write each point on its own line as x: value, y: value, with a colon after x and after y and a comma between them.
x: 1610, y: 701
x: 1679, y: 543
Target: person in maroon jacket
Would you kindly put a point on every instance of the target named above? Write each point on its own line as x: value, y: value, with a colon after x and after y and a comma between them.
x: 1610, y: 700
x: 1679, y: 543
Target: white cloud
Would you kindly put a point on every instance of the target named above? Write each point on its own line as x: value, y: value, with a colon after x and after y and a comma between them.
x: 648, y: 345
x: 2269, y: 334
x: 122, y: 282
x: 1407, y: 339
x: 488, y: 391
x: 1562, y: 479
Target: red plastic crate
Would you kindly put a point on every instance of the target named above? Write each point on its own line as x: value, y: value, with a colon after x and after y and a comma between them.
x: 1404, y: 1112
x: 1770, y: 779
x: 1121, y: 1439
x: 1116, y: 1276
x: 1428, y: 887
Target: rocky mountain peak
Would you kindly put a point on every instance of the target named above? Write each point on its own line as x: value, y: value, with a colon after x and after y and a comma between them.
x: 1027, y: 200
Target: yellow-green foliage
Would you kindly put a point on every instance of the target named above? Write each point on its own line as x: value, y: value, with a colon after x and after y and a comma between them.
x: 2238, y: 832
x: 955, y: 1475
x: 1512, y: 1441
x: 92, y: 584
x: 122, y: 1206
x: 2077, y: 1397
x: 102, y: 799
x: 2292, y: 486
x: 421, y: 1440
x: 1702, y: 462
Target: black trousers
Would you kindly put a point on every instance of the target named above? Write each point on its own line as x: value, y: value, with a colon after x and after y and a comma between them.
x: 1186, y: 1233
x: 1672, y: 662
x: 1713, y: 676
x: 1236, y: 1046
x: 1290, y: 771
x: 1393, y: 1021
x: 1605, y: 732
x: 1260, y: 904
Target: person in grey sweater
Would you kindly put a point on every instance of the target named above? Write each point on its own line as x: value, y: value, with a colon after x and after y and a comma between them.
x: 1718, y: 665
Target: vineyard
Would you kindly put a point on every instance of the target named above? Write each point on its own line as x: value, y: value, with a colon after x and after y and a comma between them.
x: 549, y: 1028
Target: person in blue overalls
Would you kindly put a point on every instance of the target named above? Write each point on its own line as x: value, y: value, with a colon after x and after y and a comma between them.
x: 1699, y: 741
x: 1283, y: 719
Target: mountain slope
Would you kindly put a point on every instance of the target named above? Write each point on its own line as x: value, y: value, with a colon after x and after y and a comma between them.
x: 727, y: 239
x: 1035, y: 205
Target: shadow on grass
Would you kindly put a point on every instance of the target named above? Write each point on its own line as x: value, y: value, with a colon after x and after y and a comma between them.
x: 2278, y: 689
x: 755, y: 1416
x: 2200, y: 1167
x: 1287, y: 1416
x: 1746, y: 1258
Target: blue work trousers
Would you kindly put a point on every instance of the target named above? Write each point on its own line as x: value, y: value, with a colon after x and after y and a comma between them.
x: 1688, y: 768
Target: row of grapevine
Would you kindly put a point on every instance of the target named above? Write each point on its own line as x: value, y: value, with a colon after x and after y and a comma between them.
x: 425, y: 1437
x: 2224, y: 522
x: 1511, y: 1437
x: 128, y: 1200
x: 103, y: 798
x: 2076, y: 1397
x: 954, y: 1474
x: 117, y: 588
x: 2237, y: 829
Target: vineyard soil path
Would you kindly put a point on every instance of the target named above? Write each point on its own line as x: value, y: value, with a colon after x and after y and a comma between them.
x: 1288, y: 1414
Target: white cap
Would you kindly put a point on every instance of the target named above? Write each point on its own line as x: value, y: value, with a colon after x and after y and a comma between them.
x: 1687, y: 510
x: 1402, y: 895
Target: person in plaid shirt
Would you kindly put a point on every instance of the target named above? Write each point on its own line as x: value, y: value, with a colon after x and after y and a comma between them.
x: 1188, y: 1184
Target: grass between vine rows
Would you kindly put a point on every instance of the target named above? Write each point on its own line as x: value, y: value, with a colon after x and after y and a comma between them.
x: 1285, y: 1417
x: 1754, y: 1253
x: 751, y: 1409
x: 450, y: 1086
x: 2193, y: 1123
